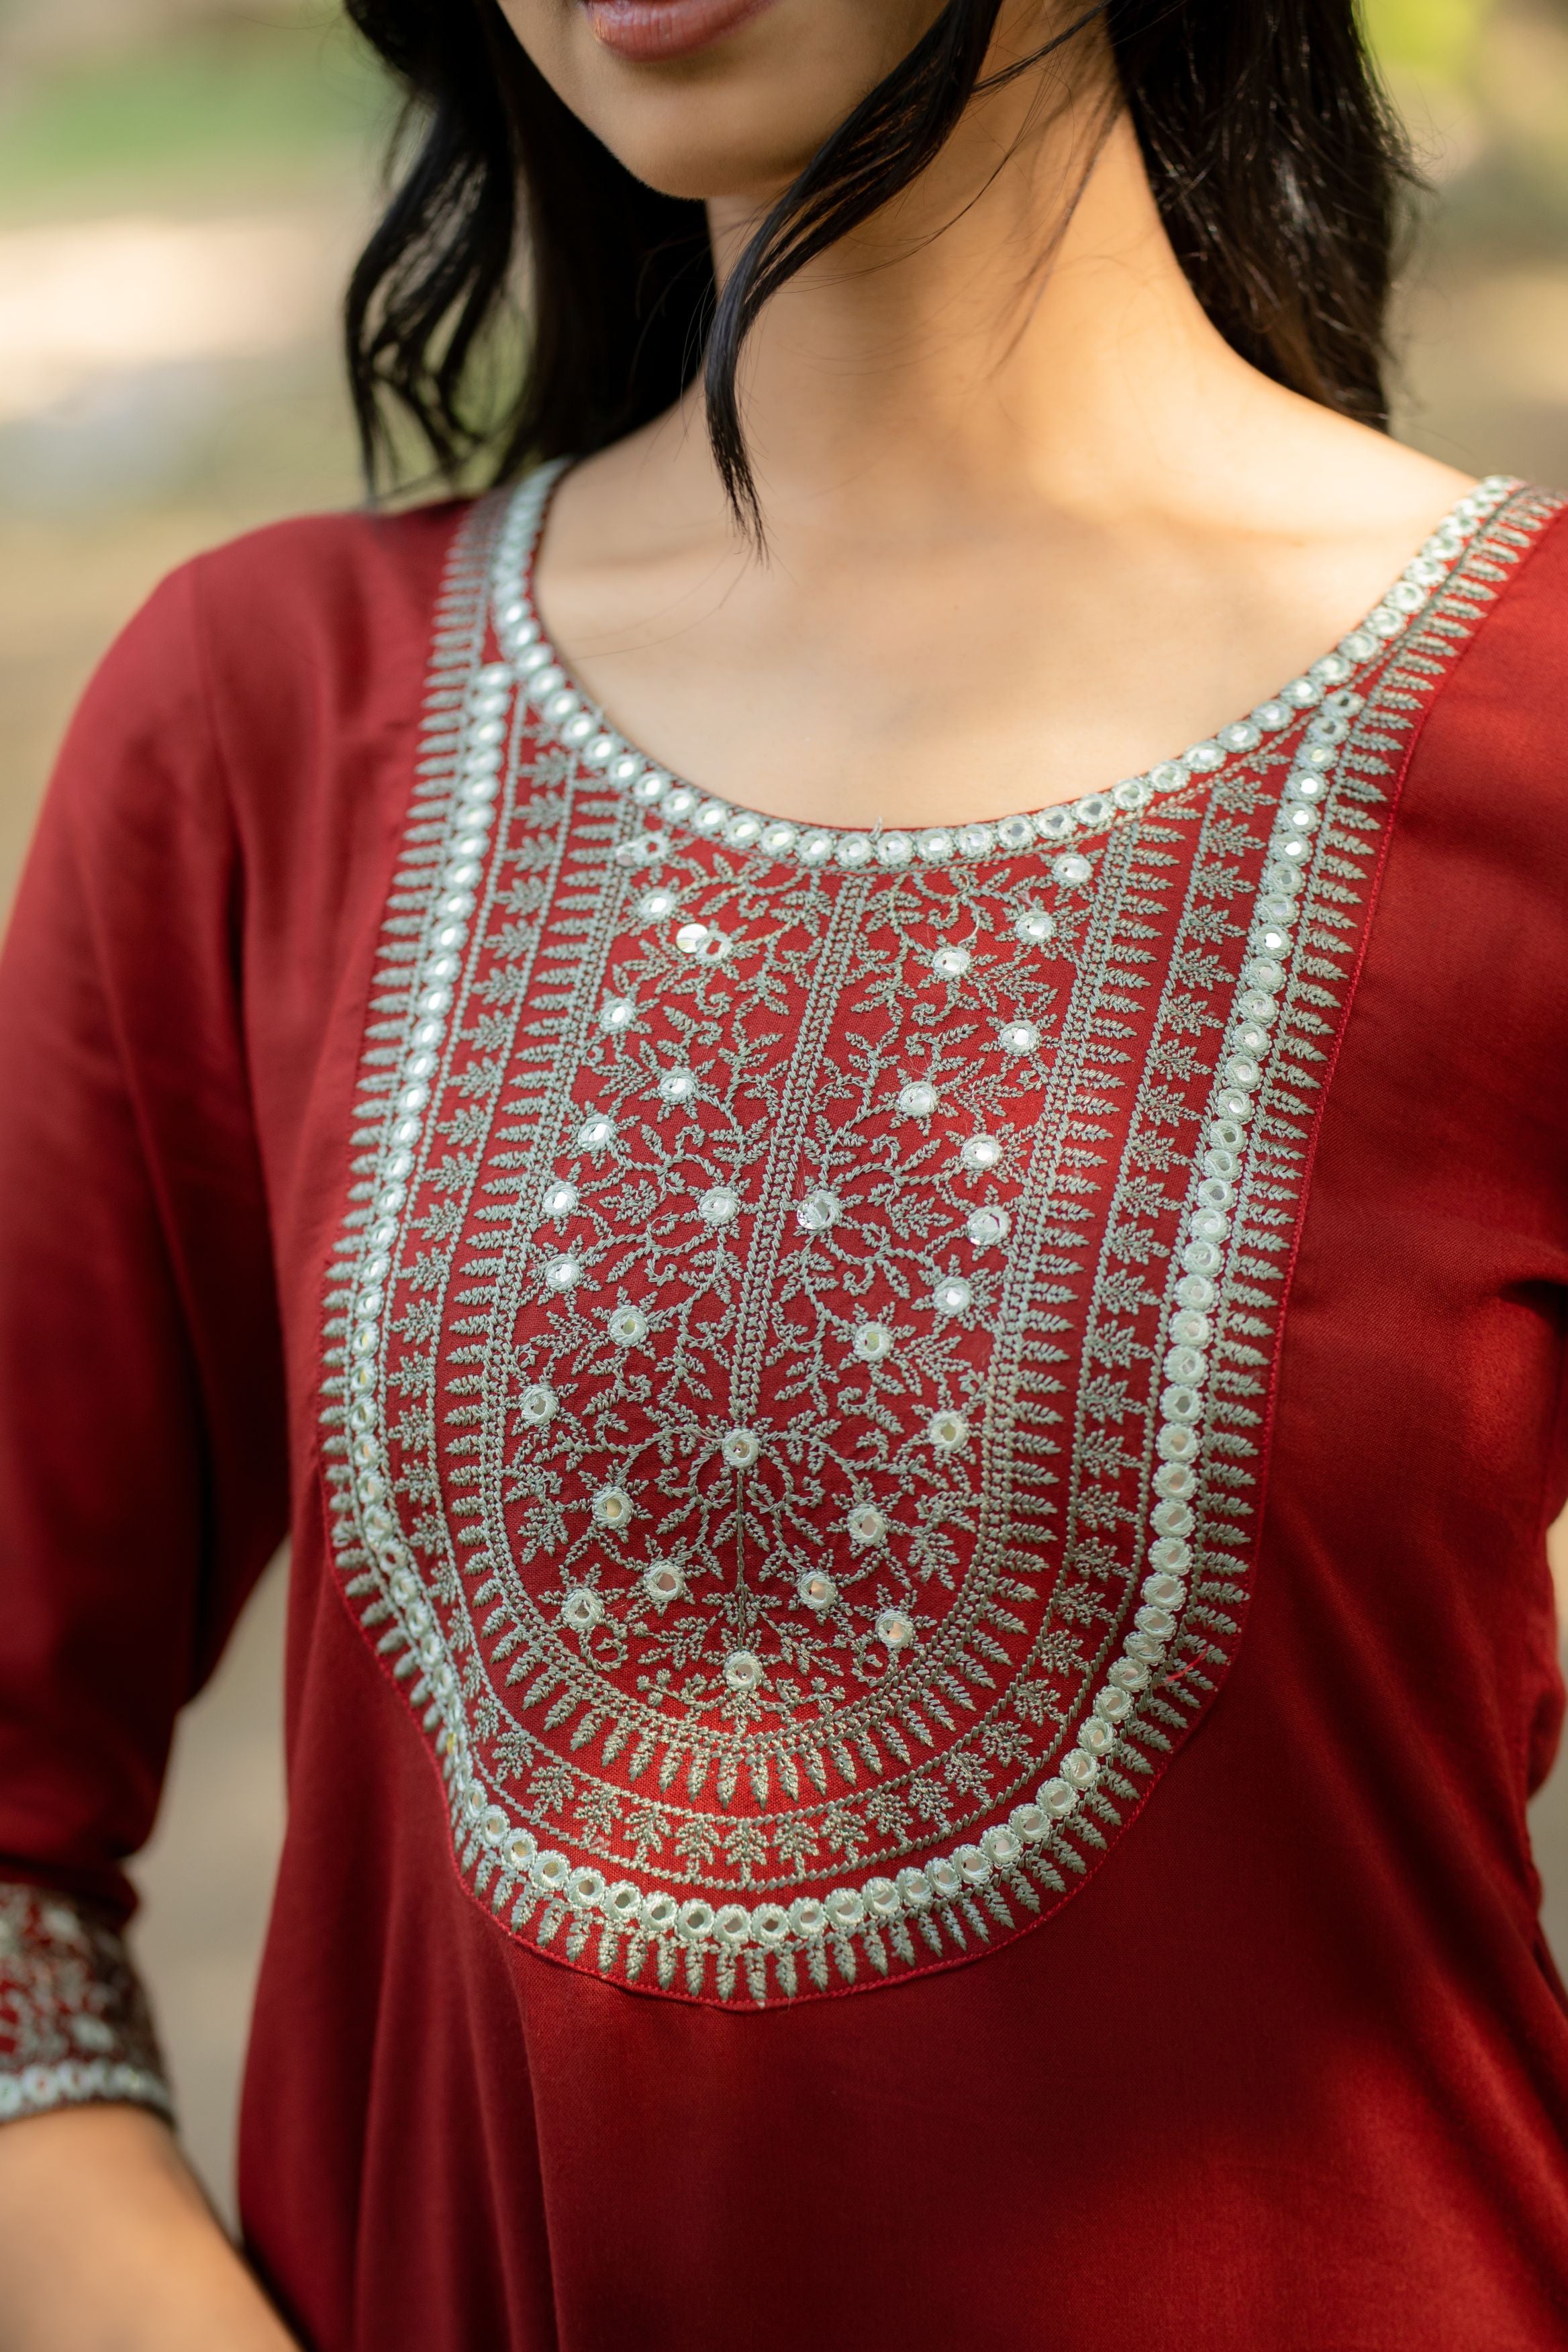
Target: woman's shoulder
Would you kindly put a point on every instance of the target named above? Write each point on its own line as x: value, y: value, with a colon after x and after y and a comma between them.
x: 1508, y: 617
x: 1521, y: 577
x: 335, y: 586
x: 260, y: 668
x: 315, y: 616
x: 1490, y: 673
x: 295, y: 601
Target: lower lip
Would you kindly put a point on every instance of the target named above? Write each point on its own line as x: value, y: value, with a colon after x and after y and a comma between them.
x: 649, y: 31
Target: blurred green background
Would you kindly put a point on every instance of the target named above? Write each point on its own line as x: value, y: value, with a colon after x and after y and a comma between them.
x: 182, y: 186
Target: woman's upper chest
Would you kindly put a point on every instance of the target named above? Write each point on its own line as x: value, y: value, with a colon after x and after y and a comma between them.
x: 962, y: 666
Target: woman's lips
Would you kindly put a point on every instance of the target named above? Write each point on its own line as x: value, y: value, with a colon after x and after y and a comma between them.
x: 647, y: 31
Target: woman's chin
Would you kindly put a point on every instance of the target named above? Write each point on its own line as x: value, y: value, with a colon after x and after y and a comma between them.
x: 685, y: 152
x: 725, y: 138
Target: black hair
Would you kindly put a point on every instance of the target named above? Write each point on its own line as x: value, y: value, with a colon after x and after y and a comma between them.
x: 1275, y: 159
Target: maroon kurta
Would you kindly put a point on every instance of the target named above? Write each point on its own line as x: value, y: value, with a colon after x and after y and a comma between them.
x: 918, y: 1469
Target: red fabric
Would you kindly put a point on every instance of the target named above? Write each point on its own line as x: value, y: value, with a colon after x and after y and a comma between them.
x: 1291, y: 2070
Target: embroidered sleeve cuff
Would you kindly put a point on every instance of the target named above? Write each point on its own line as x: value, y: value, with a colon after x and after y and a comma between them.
x: 74, y: 2023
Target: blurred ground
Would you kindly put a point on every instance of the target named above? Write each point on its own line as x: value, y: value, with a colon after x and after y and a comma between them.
x: 182, y: 184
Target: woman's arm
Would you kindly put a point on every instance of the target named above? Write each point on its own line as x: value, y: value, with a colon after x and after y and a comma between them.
x: 107, y: 2245
x: 143, y: 1478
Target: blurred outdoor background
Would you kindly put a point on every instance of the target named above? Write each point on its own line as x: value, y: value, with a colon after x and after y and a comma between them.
x: 182, y: 186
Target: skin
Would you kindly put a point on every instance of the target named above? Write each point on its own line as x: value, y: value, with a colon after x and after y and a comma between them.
x: 1030, y: 526
x: 107, y: 2245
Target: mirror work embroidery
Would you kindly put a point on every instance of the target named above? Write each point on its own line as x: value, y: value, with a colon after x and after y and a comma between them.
x: 799, y: 1354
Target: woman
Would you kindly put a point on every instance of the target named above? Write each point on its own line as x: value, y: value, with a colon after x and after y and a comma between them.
x: 921, y: 1387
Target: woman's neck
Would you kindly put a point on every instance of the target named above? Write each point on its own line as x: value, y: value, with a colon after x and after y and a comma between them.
x: 998, y: 446
x: 1016, y: 327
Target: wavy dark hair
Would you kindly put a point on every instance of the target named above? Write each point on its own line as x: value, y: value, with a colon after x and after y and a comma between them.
x: 1274, y: 157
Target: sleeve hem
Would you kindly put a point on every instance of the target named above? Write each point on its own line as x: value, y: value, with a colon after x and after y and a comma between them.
x: 75, y: 2030
x: 82, y: 2083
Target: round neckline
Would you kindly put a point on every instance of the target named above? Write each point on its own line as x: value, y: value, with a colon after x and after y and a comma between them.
x: 569, y: 719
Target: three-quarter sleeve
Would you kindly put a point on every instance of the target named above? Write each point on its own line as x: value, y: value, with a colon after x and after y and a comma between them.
x: 142, y: 1464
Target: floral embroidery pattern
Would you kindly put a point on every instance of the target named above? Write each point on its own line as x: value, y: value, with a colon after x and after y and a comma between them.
x: 797, y: 1372
x: 74, y: 2026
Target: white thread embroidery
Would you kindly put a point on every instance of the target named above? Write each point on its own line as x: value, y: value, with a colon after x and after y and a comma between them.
x: 743, y: 1624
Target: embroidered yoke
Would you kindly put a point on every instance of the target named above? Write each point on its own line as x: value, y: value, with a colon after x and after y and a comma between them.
x: 812, y: 1316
